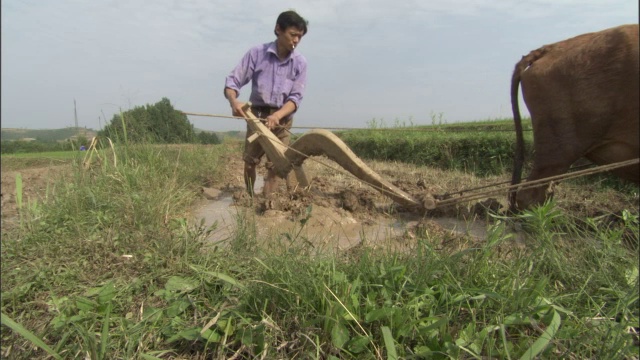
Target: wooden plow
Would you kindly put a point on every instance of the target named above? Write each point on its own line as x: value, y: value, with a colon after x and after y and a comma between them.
x: 322, y: 142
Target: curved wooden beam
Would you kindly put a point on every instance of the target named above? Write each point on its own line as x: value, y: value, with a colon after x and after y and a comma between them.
x: 323, y: 142
x: 273, y: 147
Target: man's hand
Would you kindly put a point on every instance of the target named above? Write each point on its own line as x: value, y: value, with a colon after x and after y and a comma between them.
x: 236, y: 108
x: 273, y: 121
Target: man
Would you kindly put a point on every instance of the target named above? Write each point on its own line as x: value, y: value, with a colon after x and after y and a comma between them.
x: 278, y: 74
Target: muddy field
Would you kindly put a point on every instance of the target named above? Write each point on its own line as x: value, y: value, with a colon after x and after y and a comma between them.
x: 339, y: 211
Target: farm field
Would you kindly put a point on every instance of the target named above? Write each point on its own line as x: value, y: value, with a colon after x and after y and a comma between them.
x: 108, y: 261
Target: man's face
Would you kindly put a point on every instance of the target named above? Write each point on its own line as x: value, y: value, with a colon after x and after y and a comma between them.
x: 290, y: 37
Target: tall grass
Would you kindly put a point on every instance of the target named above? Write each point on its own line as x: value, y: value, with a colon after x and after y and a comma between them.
x: 491, y: 300
x: 111, y: 268
x: 123, y: 225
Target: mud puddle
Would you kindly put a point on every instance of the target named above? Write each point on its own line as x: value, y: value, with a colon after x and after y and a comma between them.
x: 321, y: 227
x: 221, y: 211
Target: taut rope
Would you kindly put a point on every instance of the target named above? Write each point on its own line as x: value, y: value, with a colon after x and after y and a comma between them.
x: 412, y: 128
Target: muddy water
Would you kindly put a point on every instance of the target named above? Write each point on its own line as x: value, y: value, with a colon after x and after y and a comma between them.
x: 223, y: 214
x: 326, y: 228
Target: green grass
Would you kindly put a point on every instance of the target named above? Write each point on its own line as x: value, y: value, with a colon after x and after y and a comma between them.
x: 45, y: 134
x: 110, y: 268
x: 63, y: 155
x: 482, y: 152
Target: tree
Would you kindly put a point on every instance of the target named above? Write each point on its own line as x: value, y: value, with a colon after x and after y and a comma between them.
x: 158, y: 123
x: 205, y: 137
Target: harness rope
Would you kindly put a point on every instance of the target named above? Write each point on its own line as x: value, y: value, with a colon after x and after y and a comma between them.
x: 447, y: 200
x: 461, y: 129
x: 541, y: 182
x: 460, y: 192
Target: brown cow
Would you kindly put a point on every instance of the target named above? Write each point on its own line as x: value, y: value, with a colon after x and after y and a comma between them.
x: 582, y: 94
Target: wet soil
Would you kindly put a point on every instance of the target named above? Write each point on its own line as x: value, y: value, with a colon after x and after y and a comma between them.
x: 337, y: 211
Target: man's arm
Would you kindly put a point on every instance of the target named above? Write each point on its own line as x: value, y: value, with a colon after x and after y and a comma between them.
x: 236, y: 106
x: 292, y: 102
x: 238, y: 77
x: 287, y: 109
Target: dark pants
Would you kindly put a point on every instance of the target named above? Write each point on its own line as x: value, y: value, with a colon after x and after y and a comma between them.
x: 253, y: 151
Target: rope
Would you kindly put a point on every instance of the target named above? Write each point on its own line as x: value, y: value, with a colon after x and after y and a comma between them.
x: 541, y: 182
x: 448, y: 129
x: 449, y: 194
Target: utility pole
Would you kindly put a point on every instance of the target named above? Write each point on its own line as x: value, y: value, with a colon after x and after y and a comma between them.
x: 75, y: 113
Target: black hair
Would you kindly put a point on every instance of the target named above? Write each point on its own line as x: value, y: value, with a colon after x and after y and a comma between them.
x: 291, y: 18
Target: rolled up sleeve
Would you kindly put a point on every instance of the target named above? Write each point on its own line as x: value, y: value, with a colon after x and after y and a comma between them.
x: 241, y: 74
x: 299, y: 83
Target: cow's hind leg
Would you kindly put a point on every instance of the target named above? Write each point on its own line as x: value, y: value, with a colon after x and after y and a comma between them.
x: 549, y: 160
x: 616, y: 152
x: 533, y: 196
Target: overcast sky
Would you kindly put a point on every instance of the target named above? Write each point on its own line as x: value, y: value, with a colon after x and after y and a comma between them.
x: 368, y: 59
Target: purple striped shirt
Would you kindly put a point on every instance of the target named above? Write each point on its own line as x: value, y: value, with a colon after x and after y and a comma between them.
x: 273, y: 82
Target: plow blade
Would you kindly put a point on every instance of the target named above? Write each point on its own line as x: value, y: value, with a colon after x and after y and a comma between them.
x: 323, y: 142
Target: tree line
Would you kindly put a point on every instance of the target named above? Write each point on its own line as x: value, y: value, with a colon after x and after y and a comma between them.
x: 158, y: 123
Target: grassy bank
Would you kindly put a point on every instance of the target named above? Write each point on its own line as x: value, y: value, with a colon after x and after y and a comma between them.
x: 110, y: 268
x: 483, y: 148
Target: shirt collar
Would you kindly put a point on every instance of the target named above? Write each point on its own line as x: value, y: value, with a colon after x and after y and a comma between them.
x: 273, y: 48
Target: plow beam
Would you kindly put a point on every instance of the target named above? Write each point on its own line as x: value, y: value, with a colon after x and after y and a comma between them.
x: 274, y: 148
x: 320, y: 142
x: 323, y: 142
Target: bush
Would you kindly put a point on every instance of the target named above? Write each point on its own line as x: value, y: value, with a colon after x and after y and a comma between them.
x: 204, y: 137
x: 159, y: 123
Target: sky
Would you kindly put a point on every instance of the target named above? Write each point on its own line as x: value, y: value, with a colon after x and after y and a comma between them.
x: 408, y: 62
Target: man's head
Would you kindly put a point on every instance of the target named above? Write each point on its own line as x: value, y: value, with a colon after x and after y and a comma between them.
x: 291, y: 19
x: 290, y: 28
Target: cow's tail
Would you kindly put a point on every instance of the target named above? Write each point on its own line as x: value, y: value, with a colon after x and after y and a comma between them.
x: 518, y: 159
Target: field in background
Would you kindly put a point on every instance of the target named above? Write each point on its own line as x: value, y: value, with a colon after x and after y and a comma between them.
x: 70, y: 133
x: 31, y: 160
x: 46, y: 134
